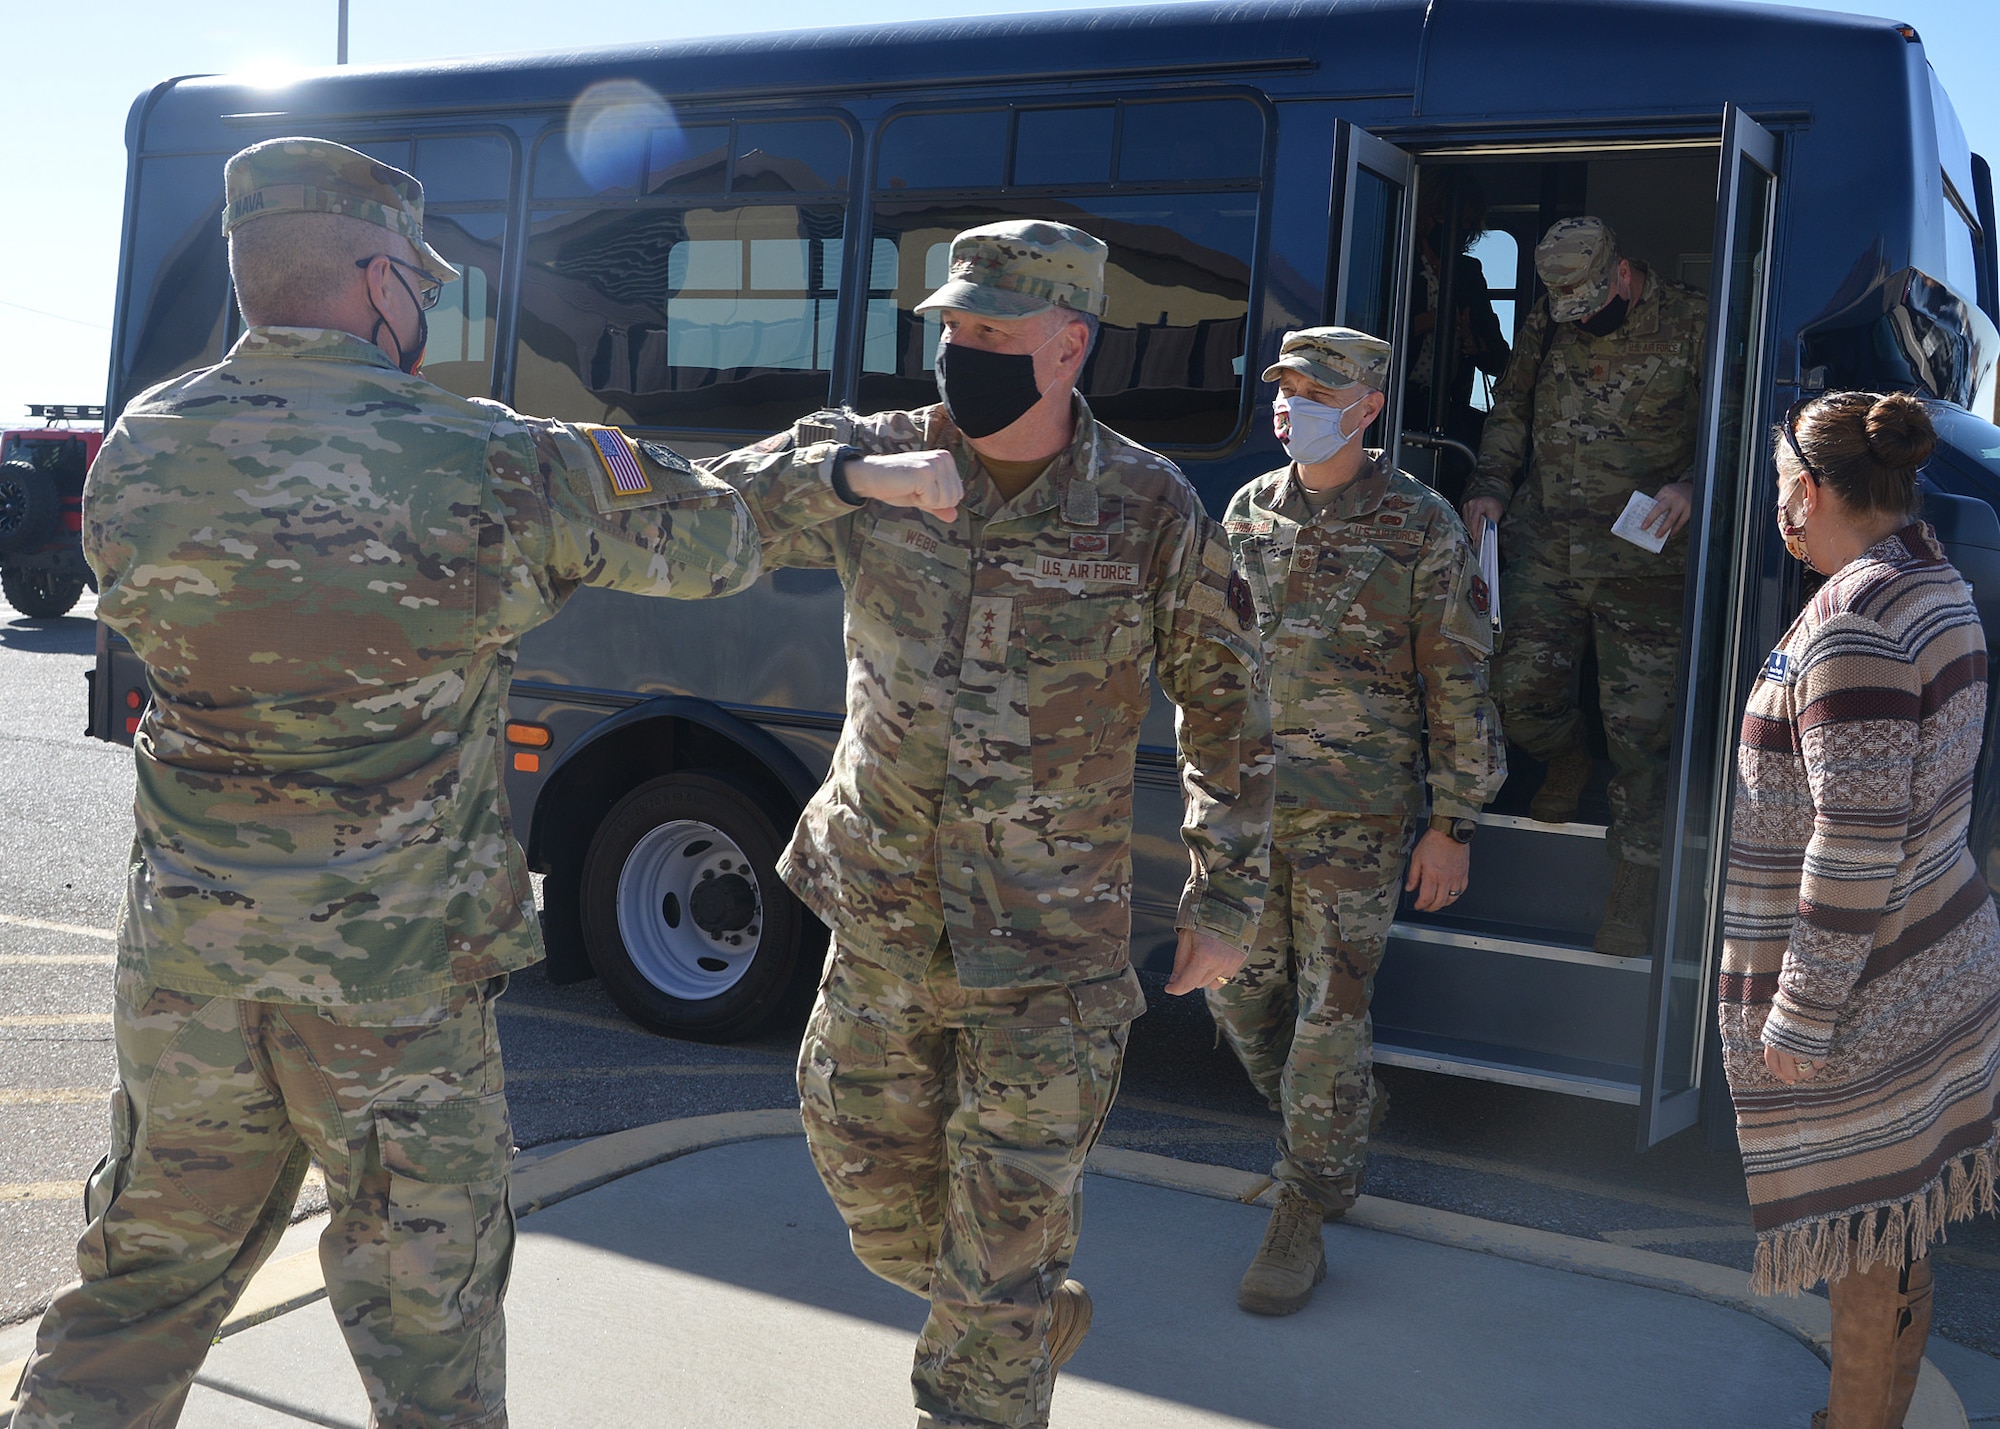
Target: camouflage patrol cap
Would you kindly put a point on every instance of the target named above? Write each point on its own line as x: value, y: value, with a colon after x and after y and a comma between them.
x: 1014, y: 270
x: 1577, y: 258
x: 1334, y: 357
x: 303, y: 175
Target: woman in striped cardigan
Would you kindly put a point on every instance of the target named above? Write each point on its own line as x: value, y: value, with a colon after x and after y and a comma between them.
x: 1860, y: 993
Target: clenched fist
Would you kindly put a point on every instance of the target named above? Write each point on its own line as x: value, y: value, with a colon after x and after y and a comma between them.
x: 928, y: 481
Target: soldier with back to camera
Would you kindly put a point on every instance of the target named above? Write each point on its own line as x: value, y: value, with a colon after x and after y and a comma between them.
x: 325, y: 562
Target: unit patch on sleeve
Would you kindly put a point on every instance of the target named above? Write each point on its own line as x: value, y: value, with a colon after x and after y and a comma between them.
x: 667, y: 457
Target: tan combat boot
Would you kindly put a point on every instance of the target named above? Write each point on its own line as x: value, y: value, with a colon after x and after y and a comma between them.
x: 1290, y: 1262
x: 1069, y: 1322
x: 1562, y: 787
x: 1627, y: 929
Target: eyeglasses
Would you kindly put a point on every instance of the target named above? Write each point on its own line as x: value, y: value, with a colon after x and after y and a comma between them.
x: 1791, y: 431
x: 428, y: 289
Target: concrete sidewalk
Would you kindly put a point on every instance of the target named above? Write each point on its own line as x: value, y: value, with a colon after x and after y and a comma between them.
x: 694, y: 1274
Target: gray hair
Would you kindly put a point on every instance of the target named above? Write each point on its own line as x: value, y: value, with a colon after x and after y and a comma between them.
x: 291, y: 268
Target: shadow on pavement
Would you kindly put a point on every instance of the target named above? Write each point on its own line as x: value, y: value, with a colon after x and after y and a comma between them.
x: 1403, y: 1332
x: 65, y: 635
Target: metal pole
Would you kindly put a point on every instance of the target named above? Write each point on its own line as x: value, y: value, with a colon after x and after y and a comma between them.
x: 341, y: 52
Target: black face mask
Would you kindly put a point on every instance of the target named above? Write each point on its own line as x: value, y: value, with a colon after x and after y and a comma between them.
x: 408, y: 359
x: 1607, y: 319
x: 985, y: 392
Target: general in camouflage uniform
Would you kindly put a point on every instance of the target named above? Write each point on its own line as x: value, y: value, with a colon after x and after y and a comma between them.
x: 1376, y: 631
x: 325, y: 564
x: 971, y: 845
x: 1599, y: 401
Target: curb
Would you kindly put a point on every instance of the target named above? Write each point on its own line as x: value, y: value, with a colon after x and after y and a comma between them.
x: 285, y: 1285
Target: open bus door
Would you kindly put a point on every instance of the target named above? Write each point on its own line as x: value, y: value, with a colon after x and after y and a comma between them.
x: 1373, y: 230
x: 1730, y: 459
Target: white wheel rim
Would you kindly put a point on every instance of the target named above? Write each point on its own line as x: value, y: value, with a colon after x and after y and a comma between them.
x: 690, y: 911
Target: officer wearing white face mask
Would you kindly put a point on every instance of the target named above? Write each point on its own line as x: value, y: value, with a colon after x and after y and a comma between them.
x: 1376, y: 630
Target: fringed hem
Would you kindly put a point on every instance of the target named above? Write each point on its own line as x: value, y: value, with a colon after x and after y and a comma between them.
x: 1798, y: 1256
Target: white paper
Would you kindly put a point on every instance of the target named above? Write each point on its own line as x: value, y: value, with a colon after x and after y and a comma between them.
x: 1489, y: 568
x: 1630, y: 523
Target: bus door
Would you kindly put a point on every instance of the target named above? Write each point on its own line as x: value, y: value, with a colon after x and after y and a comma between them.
x: 1373, y: 181
x: 1729, y: 466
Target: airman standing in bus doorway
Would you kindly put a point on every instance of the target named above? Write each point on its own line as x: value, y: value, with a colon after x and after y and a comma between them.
x: 1599, y: 401
x: 971, y: 847
x: 1377, y: 630
x: 324, y: 562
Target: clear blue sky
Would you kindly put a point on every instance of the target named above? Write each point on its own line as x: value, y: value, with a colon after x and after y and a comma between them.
x: 76, y: 69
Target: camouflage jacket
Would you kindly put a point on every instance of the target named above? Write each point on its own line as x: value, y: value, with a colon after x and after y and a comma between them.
x: 325, y: 565
x: 1376, y: 629
x: 1612, y: 415
x: 996, y: 681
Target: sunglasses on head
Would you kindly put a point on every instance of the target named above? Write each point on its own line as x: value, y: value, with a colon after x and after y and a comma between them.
x: 1791, y: 431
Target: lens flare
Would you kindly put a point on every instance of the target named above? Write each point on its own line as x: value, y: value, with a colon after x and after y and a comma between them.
x: 611, y: 129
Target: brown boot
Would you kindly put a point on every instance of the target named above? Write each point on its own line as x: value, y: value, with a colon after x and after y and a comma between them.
x: 1562, y: 787
x: 1290, y: 1262
x: 1627, y: 929
x: 1069, y: 1322
x: 1881, y: 1319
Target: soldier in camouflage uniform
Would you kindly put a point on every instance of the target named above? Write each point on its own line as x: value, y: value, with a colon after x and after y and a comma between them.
x: 325, y: 563
x: 1376, y: 631
x: 971, y: 845
x: 1599, y: 401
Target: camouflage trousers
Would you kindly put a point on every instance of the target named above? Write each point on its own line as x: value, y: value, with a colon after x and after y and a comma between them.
x: 950, y: 1126
x: 1297, y: 1014
x: 1635, y: 624
x: 219, y: 1107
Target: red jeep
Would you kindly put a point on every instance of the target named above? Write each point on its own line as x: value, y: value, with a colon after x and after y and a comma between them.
x: 42, y: 570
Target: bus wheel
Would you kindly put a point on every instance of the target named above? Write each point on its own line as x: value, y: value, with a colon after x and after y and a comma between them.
x: 683, y: 915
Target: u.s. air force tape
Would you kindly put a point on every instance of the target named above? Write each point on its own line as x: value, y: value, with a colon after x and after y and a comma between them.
x: 628, y: 482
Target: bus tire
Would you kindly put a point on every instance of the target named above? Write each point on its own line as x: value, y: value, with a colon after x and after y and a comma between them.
x: 30, y: 506
x: 683, y: 915
x: 40, y: 594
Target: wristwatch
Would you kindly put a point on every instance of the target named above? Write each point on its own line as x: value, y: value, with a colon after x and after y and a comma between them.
x: 841, y: 456
x: 1457, y: 830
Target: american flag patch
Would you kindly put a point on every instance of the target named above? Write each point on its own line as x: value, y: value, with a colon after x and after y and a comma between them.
x: 619, y: 464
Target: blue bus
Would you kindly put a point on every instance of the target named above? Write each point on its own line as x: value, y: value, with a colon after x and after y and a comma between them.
x: 703, y: 241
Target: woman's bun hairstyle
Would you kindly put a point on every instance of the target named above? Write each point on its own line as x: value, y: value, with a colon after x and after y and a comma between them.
x: 1867, y: 446
x: 1899, y: 431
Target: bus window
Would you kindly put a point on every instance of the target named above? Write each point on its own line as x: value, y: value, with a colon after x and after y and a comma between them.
x: 465, y: 168
x: 708, y: 314
x: 943, y: 151
x: 1167, y: 368
x: 459, y: 355
x: 1064, y: 146
x: 1962, y: 243
x: 1177, y: 141
x: 180, y: 261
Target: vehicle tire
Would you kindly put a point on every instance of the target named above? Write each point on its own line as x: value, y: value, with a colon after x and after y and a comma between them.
x: 40, y: 595
x: 683, y: 915
x: 30, y: 506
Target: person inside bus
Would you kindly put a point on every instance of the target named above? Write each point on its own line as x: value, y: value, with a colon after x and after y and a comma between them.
x: 1376, y: 629
x: 1478, y: 345
x: 1860, y: 989
x: 1598, y: 405
x: 971, y: 847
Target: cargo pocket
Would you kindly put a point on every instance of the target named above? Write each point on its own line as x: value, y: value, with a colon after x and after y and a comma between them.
x: 450, y: 1226
x: 101, y: 1188
x: 841, y: 1061
x: 1366, y: 913
x: 1023, y: 1085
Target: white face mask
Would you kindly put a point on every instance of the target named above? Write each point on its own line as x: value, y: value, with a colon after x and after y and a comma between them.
x: 1311, y: 431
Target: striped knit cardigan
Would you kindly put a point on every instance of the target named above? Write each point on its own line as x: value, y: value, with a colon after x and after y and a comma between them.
x: 1857, y: 930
